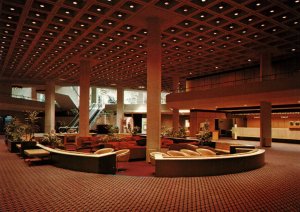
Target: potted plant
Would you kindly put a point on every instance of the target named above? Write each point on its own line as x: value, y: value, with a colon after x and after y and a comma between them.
x: 14, y: 132
x: 52, y: 140
x: 30, y: 128
x: 205, y: 135
x: 31, y: 124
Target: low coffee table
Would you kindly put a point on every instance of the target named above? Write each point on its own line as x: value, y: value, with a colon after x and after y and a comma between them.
x: 36, y: 155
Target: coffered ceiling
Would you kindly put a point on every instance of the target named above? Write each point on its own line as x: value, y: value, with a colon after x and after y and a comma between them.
x: 42, y: 40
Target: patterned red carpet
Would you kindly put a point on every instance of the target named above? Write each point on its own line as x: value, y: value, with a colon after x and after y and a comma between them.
x: 275, y: 187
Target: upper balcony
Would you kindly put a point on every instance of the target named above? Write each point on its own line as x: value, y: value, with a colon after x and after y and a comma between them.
x: 20, y: 103
x: 278, y: 89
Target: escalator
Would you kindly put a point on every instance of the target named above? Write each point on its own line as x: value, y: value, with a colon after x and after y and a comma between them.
x: 95, y: 110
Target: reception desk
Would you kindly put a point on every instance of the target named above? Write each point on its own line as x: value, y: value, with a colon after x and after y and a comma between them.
x: 277, y: 133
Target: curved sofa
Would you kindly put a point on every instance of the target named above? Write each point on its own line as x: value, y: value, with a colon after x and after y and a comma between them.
x: 86, y: 162
x: 169, y: 166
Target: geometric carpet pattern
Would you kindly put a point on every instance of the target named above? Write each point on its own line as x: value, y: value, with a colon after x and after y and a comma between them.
x: 274, y: 187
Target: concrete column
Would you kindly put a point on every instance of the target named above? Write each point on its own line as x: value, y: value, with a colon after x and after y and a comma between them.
x: 175, y: 119
x: 5, y: 89
x: 50, y: 107
x: 120, y: 108
x: 188, y: 85
x: 194, y: 128
x: 153, y: 85
x: 85, y: 68
x: 33, y: 93
x: 94, y: 95
x: 175, y: 110
x: 265, y: 124
x: 265, y: 66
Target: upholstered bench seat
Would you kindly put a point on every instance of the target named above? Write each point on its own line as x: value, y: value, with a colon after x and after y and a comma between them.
x: 36, y: 155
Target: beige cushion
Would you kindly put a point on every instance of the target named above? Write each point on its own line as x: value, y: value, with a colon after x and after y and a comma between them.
x: 123, y: 155
x: 104, y: 150
x: 190, y: 152
x: 176, y: 153
x: 152, y: 156
x: 205, y: 152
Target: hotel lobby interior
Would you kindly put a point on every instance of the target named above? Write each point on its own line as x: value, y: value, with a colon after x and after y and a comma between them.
x: 169, y: 69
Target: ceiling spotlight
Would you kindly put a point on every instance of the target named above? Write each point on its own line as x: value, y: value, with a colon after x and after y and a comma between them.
x: 75, y: 2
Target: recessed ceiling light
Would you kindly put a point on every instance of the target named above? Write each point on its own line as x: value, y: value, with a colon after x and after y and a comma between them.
x: 166, y: 3
x: 221, y: 7
x: 12, y: 9
x: 41, y: 5
x: 236, y: 14
x: 284, y: 17
x: 293, y: 50
x: 258, y: 4
x: 131, y: 6
x: 75, y: 2
x: 272, y: 11
x: 185, y: 10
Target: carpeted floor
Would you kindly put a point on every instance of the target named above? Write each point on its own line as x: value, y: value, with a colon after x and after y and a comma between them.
x: 275, y: 187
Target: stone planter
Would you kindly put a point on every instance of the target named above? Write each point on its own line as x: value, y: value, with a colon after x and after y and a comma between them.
x: 12, y: 145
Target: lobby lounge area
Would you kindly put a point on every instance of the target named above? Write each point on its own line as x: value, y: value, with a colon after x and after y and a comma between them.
x: 274, y: 187
x: 149, y: 105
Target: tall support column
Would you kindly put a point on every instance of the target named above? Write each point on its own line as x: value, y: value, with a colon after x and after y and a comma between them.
x: 265, y: 124
x: 265, y: 66
x: 50, y: 107
x: 175, y: 110
x: 33, y: 93
x: 5, y: 89
x: 153, y: 85
x: 85, y: 68
x: 94, y: 95
x: 120, y: 108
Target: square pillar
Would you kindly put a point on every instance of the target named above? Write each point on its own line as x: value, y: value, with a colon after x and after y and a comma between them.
x: 265, y: 124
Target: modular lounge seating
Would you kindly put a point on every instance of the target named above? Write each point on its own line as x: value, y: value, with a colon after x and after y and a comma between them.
x: 87, y: 162
x: 122, y: 155
x: 177, y: 153
x: 190, y: 152
x: 152, y: 156
x: 191, y: 166
x: 206, y: 152
x: 104, y: 150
